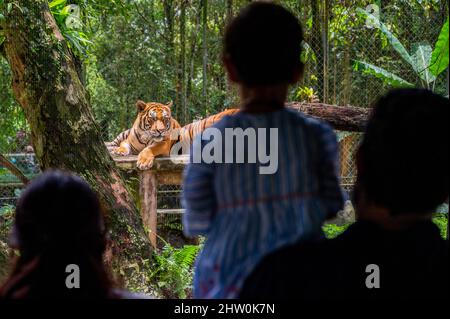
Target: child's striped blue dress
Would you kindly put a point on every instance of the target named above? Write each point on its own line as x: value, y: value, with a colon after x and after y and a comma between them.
x: 246, y: 215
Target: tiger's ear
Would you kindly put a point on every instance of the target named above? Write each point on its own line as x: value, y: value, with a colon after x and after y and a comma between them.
x: 140, y: 105
x: 169, y: 104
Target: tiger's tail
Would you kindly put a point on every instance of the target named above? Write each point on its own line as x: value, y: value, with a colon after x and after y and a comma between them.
x: 188, y: 132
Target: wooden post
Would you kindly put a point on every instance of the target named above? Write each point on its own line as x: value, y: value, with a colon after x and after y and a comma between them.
x: 148, y: 198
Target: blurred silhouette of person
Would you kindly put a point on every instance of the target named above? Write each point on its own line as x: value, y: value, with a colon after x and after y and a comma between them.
x: 58, y: 226
x: 394, y: 250
x: 244, y: 213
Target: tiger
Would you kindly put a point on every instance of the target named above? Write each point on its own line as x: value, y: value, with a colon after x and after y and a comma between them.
x: 155, y: 131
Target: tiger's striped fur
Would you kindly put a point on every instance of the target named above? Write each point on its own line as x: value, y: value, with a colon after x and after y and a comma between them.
x: 154, y: 132
x: 189, y: 131
x: 120, y: 138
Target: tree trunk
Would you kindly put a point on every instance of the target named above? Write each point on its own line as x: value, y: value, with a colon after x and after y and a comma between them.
x: 228, y: 19
x: 315, y: 42
x: 343, y: 118
x: 64, y: 133
x: 191, y: 58
x: 205, y: 54
x: 170, y: 52
x: 182, y: 78
x: 326, y: 51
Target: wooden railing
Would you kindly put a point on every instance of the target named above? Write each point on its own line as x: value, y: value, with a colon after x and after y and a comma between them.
x: 165, y: 171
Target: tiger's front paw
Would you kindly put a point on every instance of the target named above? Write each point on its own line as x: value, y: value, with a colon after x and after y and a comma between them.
x: 145, y: 160
x: 122, y: 151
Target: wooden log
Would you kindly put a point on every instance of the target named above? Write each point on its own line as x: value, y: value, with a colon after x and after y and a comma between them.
x: 148, y: 200
x: 343, y: 118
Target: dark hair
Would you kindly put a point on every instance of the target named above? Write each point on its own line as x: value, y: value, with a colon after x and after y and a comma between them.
x: 58, y: 222
x: 264, y: 44
x: 405, y: 152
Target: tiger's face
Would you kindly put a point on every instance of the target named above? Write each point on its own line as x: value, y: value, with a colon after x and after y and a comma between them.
x: 154, y: 121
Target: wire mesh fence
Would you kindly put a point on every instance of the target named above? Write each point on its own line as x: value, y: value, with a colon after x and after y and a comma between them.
x: 340, y: 35
x: 169, y: 220
x: 169, y: 196
x: 337, y: 36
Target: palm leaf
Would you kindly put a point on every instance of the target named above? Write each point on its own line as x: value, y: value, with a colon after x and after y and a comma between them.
x: 396, y: 44
x: 439, y: 57
x: 57, y: 3
x: 421, y: 59
x: 387, y: 77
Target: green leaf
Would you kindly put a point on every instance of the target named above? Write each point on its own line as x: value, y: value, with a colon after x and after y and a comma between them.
x: 396, y: 44
x: 71, y: 9
x: 57, y: 3
x: 439, y: 57
x: 2, y: 17
x: 421, y: 59
x: 74, y: 23
x: 387, y: 77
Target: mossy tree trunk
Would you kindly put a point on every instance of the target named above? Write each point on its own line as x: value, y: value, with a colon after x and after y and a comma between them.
x: 64, y: 133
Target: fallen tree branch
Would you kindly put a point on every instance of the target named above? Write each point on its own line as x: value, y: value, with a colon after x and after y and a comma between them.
x: 343, y: 118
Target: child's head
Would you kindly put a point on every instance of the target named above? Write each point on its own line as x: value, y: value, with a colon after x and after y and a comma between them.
x: 58, y: 211
x: 262, y: 46
x: 403, y: 159
x: 58, y: 223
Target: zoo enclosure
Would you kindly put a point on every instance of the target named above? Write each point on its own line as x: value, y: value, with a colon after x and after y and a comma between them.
x: 157, y: 190
x: 335, y: 37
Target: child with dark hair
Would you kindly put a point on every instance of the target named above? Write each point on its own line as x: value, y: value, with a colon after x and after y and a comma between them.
x: 58, y: 224
x: 393, y: 251
x: 245, y: 213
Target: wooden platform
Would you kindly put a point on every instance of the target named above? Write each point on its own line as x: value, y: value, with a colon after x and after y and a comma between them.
x: 160, y: 164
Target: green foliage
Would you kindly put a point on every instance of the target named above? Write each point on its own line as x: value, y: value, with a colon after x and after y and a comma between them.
x: 395, y: 43
x: 68, y: 18
x: 421, y: 61
x: 440, y: 55
x: 6, y: 220
x: 332, y: 230
x: 307, y: 53
x: 441, y: 220
x: 382, y: 74
x: 2, y: 18
x: 106, y: 102
x: 173, y: 274
x: 306, y: 94
x: 12, y: 119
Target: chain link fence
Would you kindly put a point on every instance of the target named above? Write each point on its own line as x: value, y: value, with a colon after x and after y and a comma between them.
x: 336, y: 37
x: 169, y: 202
x: 338, y: 34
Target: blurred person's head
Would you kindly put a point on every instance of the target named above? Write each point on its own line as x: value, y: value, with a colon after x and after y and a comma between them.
x: 403, y: 160
x: 262, y: 47
x: 58, y: 223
